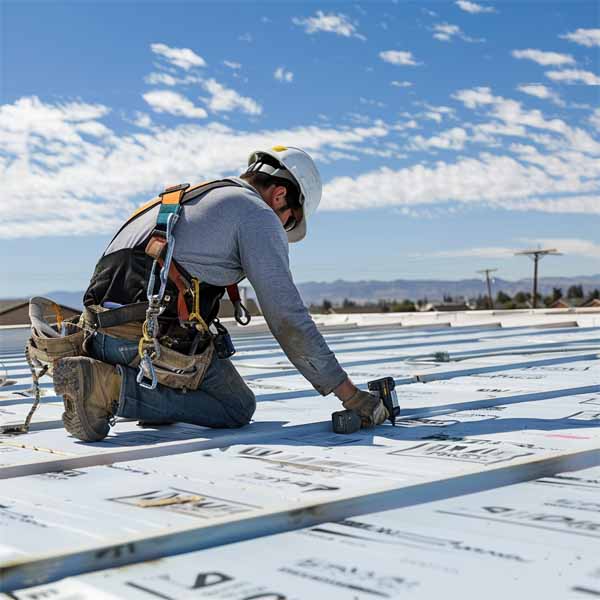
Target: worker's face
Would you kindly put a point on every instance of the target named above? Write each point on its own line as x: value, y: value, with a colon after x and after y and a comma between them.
x: 275, y: 197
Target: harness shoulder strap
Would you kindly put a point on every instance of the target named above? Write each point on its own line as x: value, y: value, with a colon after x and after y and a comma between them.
x: 189, y: 194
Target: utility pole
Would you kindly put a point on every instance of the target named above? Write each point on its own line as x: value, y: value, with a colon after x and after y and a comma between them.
x: 489, y: 285
x: 536, y: 255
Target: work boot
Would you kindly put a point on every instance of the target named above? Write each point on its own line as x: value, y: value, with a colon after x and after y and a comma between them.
x: 90, y: 391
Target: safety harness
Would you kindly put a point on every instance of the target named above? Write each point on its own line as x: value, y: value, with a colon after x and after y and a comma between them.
x: 160, y: 248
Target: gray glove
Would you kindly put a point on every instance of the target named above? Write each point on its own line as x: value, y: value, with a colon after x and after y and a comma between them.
x: 369, y: 408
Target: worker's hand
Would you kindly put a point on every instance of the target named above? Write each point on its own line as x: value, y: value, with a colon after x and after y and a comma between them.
x: 369, y: 408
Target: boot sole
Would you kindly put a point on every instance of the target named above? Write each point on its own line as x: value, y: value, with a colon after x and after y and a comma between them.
x: 66, y: 378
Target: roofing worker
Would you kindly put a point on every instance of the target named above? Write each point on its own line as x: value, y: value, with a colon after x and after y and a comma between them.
x: 153, y: 357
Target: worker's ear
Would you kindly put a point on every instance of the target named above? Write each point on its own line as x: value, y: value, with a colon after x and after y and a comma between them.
x: 279, y: 194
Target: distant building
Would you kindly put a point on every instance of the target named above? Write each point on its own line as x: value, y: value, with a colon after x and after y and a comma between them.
x: 593, y: 303
x: 16, y: 312
x: 560, y: 303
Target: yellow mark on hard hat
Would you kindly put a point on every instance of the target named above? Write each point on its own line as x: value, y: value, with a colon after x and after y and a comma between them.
x: 279, y: 148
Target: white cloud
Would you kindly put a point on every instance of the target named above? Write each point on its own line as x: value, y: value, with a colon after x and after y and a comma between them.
x: 143, y: 120
x: 446, y: 33
x: 402, y: 84
x: 585, y: 37
x: 436, y: 113
x: 170, y: 80
x: 495, y: 181
x: 541, y: 91
x: 31, y: 125
x: 51, y: 169
x: 574, y: 76
x: 398, y: 57
x: 223, y: 99
x: 184, y: 58
x: 475, y: 97
x: 595, y: 119
x: 452, y: 139
x: 165, y: 101
x: 509, y: 111
x: 572, y: 246
x: 246, y: 37
x: 474, y: 8
x: 232, y: 65
x: 574, y: 205
x: 544, y: 58
x: 337, y: 23
x: 483, y: 252
x: 282, y: 75
x: 160, y: 79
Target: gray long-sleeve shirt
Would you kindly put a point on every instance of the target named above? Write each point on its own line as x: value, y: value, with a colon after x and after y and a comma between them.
x: 228, y: 234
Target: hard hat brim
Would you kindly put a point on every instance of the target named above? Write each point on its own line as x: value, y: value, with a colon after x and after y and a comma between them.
x: 298, y: 233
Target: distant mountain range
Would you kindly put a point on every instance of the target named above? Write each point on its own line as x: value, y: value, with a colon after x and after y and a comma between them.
x: 314, y: 292
x: 432, y: 289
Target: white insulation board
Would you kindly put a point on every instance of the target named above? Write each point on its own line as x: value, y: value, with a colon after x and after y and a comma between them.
x: 536, y: 539
x: 513, y: 404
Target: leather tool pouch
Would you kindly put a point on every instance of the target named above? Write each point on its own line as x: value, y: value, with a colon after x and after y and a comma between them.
x: 173, y: 369
x: 47, y: 350
x: 180, y: 371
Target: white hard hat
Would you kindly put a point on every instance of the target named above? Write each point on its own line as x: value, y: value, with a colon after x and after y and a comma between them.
x: 306, y: 175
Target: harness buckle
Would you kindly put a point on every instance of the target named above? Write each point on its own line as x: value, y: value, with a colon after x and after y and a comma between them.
x: 146, y: 376
x: 175, y: 188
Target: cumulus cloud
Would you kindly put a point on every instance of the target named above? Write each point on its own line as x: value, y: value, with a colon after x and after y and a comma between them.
x: 541, y: 91
x: 399, y: 57
x: 561, y: 177
x: 337, y: 23
x: 446, y: 33
x: 223, y: 99
x: 184, y: 58
x: 509, y: 111
x: 282, y: 75
x: 574, y: 76
x: 473, y: 7
x: 595, y: 119
x: 585, y: 37
x: 489, y: 180
x: 168, y: 79
x: 545, y: 59
x: 165, y: 101
x: 50, y: 167
x: 143, y: 120
x: 452, y: 139
x: 402, y: 84
x: 232, y: 65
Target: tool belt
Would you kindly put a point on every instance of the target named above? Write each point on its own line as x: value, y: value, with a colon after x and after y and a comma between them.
x: 47, y: 350
x: 181, y: 363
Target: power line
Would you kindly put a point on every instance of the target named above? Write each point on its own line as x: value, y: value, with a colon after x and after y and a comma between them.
x: 489, y: 285
x: 536, y: 255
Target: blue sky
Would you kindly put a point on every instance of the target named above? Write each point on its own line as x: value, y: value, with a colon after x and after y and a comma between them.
x: 448, y: 134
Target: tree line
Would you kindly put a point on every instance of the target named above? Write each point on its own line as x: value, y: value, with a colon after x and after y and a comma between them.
x: 575, y: 296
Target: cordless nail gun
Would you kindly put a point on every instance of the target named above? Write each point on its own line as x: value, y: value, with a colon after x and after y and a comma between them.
x: 347, y: 421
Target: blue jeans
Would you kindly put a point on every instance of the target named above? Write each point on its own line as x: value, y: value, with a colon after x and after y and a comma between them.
x: 222, y: 400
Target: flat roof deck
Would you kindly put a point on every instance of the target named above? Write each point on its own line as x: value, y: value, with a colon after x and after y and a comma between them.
x: 488, y: 484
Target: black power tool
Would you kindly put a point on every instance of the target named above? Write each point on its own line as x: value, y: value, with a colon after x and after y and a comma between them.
x: 347, y: 421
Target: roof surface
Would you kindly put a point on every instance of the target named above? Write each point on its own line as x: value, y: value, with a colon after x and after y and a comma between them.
x: 487, y: 485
